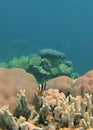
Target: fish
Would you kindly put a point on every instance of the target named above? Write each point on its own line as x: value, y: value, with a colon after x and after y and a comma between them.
x: 41, y: 88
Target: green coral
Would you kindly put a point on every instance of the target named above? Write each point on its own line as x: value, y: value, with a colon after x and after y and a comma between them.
x: 64, y: 69
x: 35, y: 60
x: 54, y: 71
x: 3, y: 65
x: 20, y: 62
x: 47, y: 64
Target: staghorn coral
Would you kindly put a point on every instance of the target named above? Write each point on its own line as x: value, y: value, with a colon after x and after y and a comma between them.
x: 68, y: 112
x: 56, y: 111
x: 7, y: 121
x: 22, y: 107
x: 37, y: 102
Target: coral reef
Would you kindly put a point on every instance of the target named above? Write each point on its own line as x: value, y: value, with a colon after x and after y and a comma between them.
x: 77, y: 86
x: 8, y: 121
x: 47, y: 64
x: 22, y: 108
x: 57, y: 112
x: 50, y: 53
x: 11, y: 81
x: 84, y: 83
x: 64, y: 83
x: 20, y: 62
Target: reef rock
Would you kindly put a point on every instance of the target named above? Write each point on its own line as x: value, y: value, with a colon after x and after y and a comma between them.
x: 11, y: 81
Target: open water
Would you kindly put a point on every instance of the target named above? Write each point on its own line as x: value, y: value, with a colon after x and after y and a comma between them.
x: 26, y: 26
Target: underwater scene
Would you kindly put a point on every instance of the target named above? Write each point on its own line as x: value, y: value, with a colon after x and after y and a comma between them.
x: 46, y: 65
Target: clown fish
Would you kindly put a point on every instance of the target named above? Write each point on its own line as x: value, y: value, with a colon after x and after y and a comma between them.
x: 41, y: 88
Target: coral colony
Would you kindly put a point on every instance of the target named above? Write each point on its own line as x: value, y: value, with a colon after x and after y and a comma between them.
x: 47, y: 64
x: 63, y: 102
x: 52, y: 111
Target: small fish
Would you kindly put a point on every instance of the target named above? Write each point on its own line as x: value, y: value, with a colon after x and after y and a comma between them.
x: 41, y: 88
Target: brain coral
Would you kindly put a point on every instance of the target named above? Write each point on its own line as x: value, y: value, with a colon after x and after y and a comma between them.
x: 64, y: 83
x: 84, y: 83
x: 11, y: 81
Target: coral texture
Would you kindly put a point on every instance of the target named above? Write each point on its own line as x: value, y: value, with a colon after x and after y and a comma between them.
x: 64, y: 83
x: 51, y: 53
x: 11, y: 81
x: 84, y: 83
x: 61, y: 113
x: 47, y: 64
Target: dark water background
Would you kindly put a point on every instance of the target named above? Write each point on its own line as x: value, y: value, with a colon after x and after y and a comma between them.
x: 26, y: 26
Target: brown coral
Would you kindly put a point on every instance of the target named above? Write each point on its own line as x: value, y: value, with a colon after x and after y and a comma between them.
x: 52, y: 95
x: 64, y: 83
x: 84, y: 83
x: 11, y: 81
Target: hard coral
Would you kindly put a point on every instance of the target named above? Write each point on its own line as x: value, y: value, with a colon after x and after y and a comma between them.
x: 84, y: 84
x: 63, y: 83
x: 11, y: 81
x: 67, y: 113
x: 52, y: 95
x: 20, y: 62
x: 51, y: 53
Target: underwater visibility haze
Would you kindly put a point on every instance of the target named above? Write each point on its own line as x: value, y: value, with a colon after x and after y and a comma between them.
x: 27, y: 26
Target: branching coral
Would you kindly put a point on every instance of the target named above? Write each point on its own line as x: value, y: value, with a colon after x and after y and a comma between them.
x: 57, y: 113
x: 22, y: 107
x: 7, y: 121
x: 70, y: 112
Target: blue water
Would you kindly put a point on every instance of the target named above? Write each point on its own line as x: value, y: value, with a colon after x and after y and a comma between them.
x: 26, y: 26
